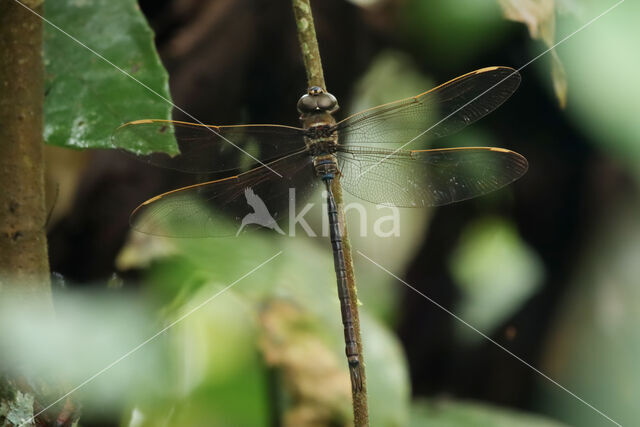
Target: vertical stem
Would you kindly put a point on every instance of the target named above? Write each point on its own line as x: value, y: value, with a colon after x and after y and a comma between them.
x: 24, y: 264
x: 23, y: 242
x: 315, y: 77
x: 308, y: 43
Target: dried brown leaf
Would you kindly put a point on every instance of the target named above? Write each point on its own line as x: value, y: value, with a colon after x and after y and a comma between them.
x: 315, y: 378
x: 539, y: 17
x: 559, y: 78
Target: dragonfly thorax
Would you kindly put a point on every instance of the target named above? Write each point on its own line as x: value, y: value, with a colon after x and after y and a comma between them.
x: 320, y: 135
x: 321, y: 139
x: 321, y: 131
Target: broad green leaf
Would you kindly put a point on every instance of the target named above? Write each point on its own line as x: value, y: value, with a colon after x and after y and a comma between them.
x: 293, y: 305
x: 86, y: 97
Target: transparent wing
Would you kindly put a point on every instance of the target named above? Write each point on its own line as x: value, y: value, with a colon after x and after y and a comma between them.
x: 206, y: 149
x: 255, y: 198
x: 441, y: 111
x: 427, y: 177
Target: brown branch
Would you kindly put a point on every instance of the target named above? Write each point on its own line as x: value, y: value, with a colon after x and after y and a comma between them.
x: 23, y: 241
x: 24, y: 262
x: 308, y: 43
x: 315, y: 77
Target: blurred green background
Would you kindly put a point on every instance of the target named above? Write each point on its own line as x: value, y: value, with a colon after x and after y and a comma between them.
x: 546, y: 267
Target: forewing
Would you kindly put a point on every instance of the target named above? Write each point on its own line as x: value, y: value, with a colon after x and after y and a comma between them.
x: 229, y: 206
x: 441, y: 111
x: 427, y: 177
x: 207, y: 149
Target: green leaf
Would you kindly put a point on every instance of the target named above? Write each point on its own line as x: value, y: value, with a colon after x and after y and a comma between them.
x: 445, y: 413
x: 292, y: 304
x: 593, y: 347
x: 86, y: 97
x: 389, y: 391
x: 453, y: 31
x: 604, y: 72
x: 496, y: 272
x: 90, y: 331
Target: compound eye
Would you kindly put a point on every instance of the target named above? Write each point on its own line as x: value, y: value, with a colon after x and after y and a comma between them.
x: 327, y: 102
x: 307, y: 104
x: 317, y: 100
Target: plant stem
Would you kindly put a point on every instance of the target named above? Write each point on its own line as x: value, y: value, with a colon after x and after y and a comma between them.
x: 24, y: 262
x: 315, y: 77
x: 308, y: 43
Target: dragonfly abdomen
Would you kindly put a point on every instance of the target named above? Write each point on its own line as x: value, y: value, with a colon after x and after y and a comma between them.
x: 326, y: 166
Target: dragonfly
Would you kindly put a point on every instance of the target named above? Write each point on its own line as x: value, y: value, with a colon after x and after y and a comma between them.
x: 366, y: 153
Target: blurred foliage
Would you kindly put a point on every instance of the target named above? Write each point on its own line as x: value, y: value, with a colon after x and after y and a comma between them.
x: 594, y: 348
x: 392, y: 75
x: 496, y: 272
x: 218, y: 375
x: 92, y: 329
x: 283, y: 318
x: 453, y: 31
x: 446, y: 413
x: 602, y: 67
x: 18, y: 410
x: 88, y: 98
x: 540, y: 18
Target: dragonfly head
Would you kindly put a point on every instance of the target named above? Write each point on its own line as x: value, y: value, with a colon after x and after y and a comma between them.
x: 317, y: 100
